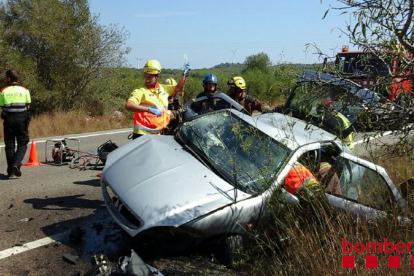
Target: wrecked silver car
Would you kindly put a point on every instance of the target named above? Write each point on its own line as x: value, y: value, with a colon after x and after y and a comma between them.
x: 214, y: 177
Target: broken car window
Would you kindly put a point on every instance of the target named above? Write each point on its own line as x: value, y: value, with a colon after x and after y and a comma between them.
x: 363, y: 185
x: 247, y: 156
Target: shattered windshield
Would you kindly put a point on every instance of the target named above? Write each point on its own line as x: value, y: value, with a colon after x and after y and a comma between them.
x: 246, y: 157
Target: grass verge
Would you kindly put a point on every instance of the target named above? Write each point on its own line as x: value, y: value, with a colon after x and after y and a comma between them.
x: 63, y: 123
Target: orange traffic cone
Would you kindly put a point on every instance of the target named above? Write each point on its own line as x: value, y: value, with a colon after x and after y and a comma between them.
x: 33, y: 160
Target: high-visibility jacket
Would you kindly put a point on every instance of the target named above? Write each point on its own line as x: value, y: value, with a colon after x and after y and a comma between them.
x: 14, y: 98
x: 144, y: 121
x: 340, y: 125
x: 298, y: 178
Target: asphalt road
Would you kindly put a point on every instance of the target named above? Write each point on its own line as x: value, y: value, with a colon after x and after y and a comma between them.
x: 53, y: 213
x: 47, y: 205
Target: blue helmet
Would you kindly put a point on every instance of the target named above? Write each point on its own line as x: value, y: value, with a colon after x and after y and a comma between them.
x: 210, y: 78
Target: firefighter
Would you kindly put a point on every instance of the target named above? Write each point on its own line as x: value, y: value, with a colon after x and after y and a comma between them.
x: 237, y: 91
x: 171, y: 85
x: 174, y: 106
x: 336, y: 122
x: 150, y: 103
x: 15, y: 101
x: 170, y: 81
x: 300, y: 178
x: 210, y: 85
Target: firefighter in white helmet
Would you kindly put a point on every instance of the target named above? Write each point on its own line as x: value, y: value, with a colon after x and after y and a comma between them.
x: 150, y: 102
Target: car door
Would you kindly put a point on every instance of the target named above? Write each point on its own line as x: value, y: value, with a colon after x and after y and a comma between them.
x: 366, y: 189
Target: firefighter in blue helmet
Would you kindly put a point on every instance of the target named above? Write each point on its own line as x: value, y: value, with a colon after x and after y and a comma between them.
x: 210, y: 82
x: 210, y: 85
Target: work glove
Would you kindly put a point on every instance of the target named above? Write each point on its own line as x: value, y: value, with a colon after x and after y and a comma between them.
x: 155, y: 111
x: 187, y: 69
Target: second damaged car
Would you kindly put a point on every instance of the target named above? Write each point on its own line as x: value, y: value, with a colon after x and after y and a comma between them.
x: 213, y: 179
x: 364, y: 108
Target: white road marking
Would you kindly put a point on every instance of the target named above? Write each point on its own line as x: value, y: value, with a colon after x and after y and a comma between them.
x: 33, y: 245
x: 370, y: 138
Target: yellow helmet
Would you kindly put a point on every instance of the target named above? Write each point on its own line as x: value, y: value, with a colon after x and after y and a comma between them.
x: 170, y: 81
x: 237, y: 82
x: 152, y: 67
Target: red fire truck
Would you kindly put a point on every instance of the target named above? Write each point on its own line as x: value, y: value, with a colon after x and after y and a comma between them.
x: 367, y: 68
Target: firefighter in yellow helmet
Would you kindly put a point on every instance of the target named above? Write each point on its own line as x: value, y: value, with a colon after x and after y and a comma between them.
x: 150, y: 102
x: 237, y: 91
x: 170, y: 81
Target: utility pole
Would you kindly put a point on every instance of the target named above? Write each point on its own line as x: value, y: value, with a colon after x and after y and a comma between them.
x: 138, y: 59
x: 234, y: 54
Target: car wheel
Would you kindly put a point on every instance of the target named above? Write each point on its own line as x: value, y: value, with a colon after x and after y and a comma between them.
x: 231, y: 250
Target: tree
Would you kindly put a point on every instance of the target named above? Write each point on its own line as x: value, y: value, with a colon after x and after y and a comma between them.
x: 381, y: 27
x: 259, y: 62
x: 60, y: 48
x: 385, y: 28
x: 380, y: 24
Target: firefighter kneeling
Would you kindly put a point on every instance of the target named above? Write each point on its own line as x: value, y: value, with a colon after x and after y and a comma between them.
x: 313, y: 206
x: 300, y: 179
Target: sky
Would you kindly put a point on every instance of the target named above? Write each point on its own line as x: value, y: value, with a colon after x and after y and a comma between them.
x: 208, y: 33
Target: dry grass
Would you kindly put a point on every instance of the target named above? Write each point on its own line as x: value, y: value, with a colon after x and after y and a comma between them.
x: 64, y: 123
x: 312, y: 235
x: 313, y: 243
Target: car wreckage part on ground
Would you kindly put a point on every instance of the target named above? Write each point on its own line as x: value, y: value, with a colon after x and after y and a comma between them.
x: 131, y: 266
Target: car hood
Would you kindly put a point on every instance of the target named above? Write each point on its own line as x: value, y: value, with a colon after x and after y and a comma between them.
x: 163, y: 184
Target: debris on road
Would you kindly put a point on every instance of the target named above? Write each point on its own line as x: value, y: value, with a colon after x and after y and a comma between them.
x: 76, y: 234
x: 26, y: 219
x: 134, y: 265
x: 70, y: 258
x: 98, y: 227
x: 131, y: 266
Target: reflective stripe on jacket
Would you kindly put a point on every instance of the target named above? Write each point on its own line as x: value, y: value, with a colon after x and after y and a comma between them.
x: 349, y: 140
x: 340, y: 126
x: 299, y: 177
x: 144, y: 121
x: 15, y: 98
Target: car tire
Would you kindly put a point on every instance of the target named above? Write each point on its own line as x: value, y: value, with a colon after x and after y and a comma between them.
x: 231, y: 250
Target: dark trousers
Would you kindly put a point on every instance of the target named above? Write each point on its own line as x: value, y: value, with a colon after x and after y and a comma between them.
x: 15, y: 128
